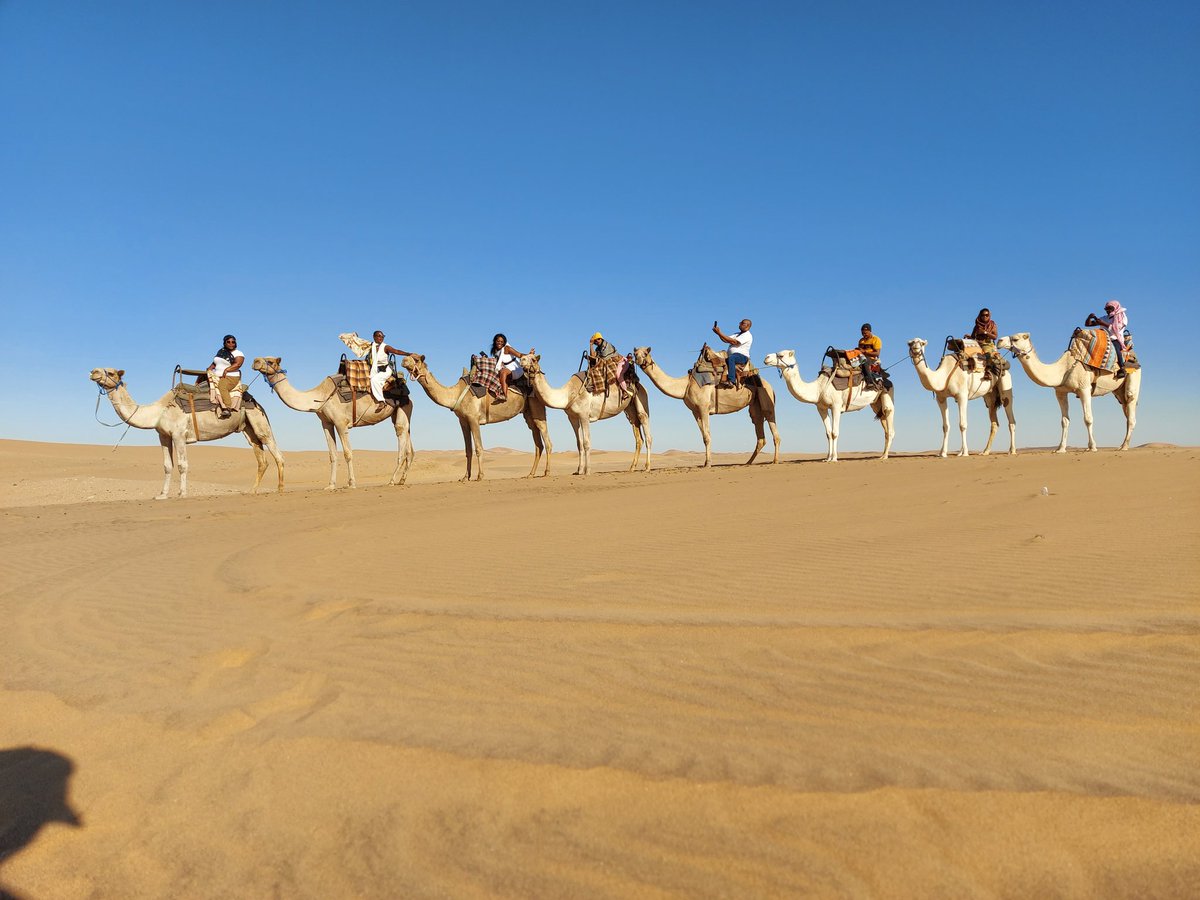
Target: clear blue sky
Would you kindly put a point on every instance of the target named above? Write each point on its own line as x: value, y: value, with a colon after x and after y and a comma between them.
x: 287, y: 171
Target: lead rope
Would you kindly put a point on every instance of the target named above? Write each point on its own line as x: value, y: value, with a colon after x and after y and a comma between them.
x: 127, y: 425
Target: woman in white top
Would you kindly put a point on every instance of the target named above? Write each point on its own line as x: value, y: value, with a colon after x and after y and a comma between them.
x: 507, y: 365
x: 224, y: 374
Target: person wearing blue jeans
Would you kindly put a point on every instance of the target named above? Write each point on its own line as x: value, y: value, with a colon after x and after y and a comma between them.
x: 739, y: 348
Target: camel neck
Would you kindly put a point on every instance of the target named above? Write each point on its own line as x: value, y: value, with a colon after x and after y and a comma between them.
x: 668, y: 384
x: 131, y: 412
x: 556, y: 398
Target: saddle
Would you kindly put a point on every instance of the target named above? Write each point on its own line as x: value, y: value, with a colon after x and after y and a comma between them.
x: 194, y: 397
x: 484, y: 378
x: 711, y: 367
x: 1094, y: 348
x: 603, y: 373
x: 846, y: 368
x: 976, y: 356
x: 353, y: 379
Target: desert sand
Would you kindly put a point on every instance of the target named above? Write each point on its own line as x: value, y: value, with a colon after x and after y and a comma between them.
x: 912, y: 678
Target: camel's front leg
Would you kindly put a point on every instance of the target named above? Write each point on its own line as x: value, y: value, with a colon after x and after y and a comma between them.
x: 1011, y: 414
x: 168, y: 465
x: 963, y: 404
x: 826, y: 414
x: 834, y: 427
x: 468, y: 446
x: 331, y: 443
x: 583, y: 441
x: 181, y: 458
x: 941, y: 402
x: 1066, y: 420
x: 347, y: 453
x: 701, y: 417
x: 886, y: 413
x: 401, y: 422
x: 1085, y: 400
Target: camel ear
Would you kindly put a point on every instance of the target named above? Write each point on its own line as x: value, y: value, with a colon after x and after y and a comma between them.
x: 120, y: 373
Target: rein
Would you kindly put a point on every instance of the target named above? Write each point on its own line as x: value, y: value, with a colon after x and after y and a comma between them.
x: 108, y: 392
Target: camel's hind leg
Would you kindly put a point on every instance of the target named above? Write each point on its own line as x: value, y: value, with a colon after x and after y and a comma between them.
x: 469, y: 432
x: 1129, y: 406
x: 258, y: 433
x: 991, y: 401
x: 885, y: 412
x: 167, y: 442
x: 638, y: 426
x: 701, y: 417
x: 540, y: 430
x: 1010, y: 413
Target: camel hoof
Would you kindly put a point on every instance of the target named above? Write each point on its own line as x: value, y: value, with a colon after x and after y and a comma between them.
x: 331, y: 487
x: 162, y: 497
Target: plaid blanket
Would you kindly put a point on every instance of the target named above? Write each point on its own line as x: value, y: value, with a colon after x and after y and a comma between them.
x: 358, y: 372
x: 486, y: 374
x: 602, y: 373
x: 1092, y: 347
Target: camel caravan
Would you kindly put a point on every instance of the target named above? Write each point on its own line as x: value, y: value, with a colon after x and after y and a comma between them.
x: 502, y: 382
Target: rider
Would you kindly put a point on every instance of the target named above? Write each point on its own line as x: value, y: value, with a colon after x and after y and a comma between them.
x: 507, y: 365
x: 1115, y: 323
x: 870, y: 346
x: 381, y: 365
x: 224, y: 374
x: 598, y: 349
x: 739, y: 349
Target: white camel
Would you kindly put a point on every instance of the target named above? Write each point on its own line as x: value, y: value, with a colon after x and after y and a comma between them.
x: 950, y: 380
x: 583, y: 407
x: 832, y: 402
x: 176, y: 428
x: 338, y: 416
x: 1067, y: 375
x: 474, y: 412
x: 705, y: 400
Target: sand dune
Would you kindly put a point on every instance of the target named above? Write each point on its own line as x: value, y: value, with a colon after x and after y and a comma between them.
x: 914, y: 678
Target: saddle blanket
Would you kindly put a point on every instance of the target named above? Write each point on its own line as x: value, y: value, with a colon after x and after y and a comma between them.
x: 486, y: 374
x: 395, y: 389
x: 1092, y: 347
x: 603, y: 372
x: 358, y: 373
x: 200, y: 397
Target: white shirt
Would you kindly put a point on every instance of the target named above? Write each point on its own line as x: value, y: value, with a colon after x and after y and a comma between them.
x: 742, y: 342
x: 378, y: 356
x: 221, y: 363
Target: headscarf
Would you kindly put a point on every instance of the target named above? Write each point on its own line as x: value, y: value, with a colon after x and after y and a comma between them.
x: 225, y: 352
x: 987, y: 328
x: 1118, y: 319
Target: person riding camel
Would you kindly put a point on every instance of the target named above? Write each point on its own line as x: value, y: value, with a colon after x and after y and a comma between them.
x: 598, y: 349
x: 985, y: 330
x: 739, y: 350
x: 508, y: 367
x: 870, y: 346
x: 1115, y: 323
x: 381, y: 365
x: 224, y: 374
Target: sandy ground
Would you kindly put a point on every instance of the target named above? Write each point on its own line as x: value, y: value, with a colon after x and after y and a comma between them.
x: 916, y: 678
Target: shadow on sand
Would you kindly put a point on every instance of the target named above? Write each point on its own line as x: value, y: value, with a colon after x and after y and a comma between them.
x: 33, y: 793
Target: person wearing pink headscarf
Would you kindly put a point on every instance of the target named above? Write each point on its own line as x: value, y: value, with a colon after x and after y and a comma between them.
x: 1115, y: 324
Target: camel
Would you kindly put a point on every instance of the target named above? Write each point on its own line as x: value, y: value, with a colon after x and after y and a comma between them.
x: 831, y: 402
x: 1068, y: 375
x: 338, y: 416
x: 583, y: 408
x: 950, y: 380
x: 474, y: 412
x: 176, y: 428
x: 704, y: 400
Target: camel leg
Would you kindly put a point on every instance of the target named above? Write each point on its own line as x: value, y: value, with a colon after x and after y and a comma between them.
x: 833, y: 427
x: 331, y: 443
x: 477, y: 440
x: 577, y: 427
x: 269, y: 443
x: 468, y: 446
x: 774, y: 440
x: 260, y: 458
x: 1130, y: 408
x: 401, y: 424
x: 991, y: 402
x: 701, y: 417
x: 644, y: 420
x: 941, y: 402
x: 168, y: 464
x: 181, y: 459
x: 886, y: 413
x: 1011, y: 414
x: 760, y: 439
x: 1085, y: 400
x: 1066, y: 420
x: 348, y: 453
x: 540, y: 429
x: 766, y: 405
x: 962, y: 402
x: 826, y: 414
x: 631, y: 415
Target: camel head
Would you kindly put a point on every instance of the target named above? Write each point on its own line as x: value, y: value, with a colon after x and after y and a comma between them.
x: 268, y: 365
x: 414, y: 364
x: 531, y: 363
x: 784, y: 359
x: 641, y: 356
x: 107, y: 378
x: 916, y: 349
x: 1020, y: 344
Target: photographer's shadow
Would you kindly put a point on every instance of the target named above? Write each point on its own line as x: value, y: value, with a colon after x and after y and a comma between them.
x: 33, y: 793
